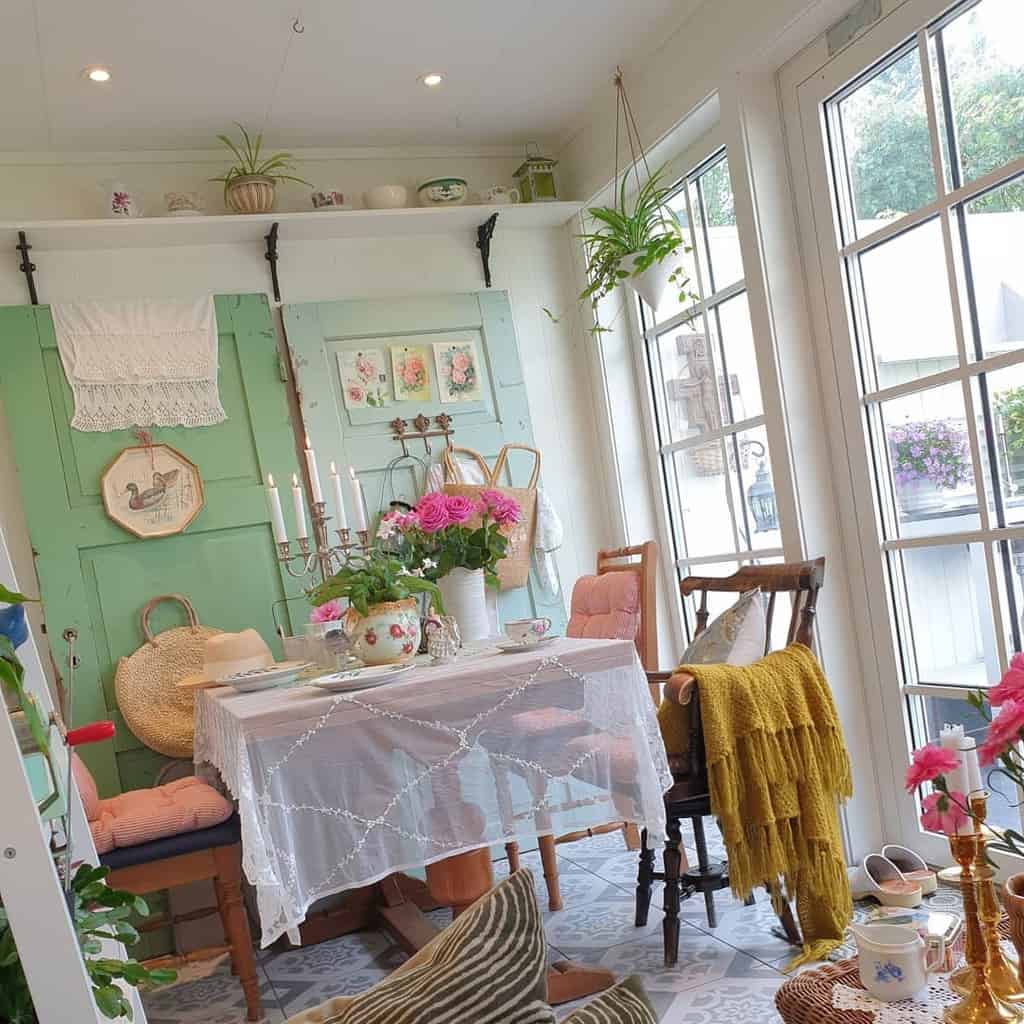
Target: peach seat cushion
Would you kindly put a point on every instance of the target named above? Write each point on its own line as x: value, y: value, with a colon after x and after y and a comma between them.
x: 606, y: 607
x: 142, y: 815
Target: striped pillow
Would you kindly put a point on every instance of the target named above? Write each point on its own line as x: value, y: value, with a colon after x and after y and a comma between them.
x: 489, y: 966
x: 626, y: 1003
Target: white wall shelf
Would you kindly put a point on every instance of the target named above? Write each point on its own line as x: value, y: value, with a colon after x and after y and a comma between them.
x: 155, y: 232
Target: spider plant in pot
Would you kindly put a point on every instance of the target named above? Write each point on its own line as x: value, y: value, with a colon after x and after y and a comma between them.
x: 250, y: 184
x: 640, y: 246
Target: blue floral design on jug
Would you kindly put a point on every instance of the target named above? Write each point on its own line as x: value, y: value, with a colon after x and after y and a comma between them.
x: 888, y: 972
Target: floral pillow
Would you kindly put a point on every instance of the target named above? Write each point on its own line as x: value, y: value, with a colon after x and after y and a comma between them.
x: 736, y: 637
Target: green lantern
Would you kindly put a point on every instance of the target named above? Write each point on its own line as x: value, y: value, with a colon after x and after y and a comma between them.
x: 536, y: 179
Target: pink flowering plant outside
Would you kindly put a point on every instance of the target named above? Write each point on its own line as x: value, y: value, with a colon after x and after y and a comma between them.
x: 449, y: 531
x: 1002, y: 706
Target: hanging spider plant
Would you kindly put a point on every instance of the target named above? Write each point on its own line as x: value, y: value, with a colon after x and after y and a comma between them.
x: 628, y: 243
x: 249, y: 184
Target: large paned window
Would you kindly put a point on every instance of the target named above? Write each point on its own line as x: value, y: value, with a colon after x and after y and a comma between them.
x: 712, y: 442
x: 923, y: 172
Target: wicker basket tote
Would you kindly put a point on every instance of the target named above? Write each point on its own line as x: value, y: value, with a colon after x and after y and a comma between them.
x: 159, y: 713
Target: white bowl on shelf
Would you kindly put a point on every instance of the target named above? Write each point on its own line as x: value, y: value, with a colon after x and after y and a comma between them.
x: 386, y: 197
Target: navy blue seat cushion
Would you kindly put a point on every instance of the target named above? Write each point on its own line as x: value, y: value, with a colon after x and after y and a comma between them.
x: 226, y: 833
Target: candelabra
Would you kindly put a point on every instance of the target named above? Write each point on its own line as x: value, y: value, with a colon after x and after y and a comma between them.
x: 328, y: 557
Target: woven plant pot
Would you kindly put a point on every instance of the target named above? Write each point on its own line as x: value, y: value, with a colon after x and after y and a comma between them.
x: 251, y: 193
x: 706, y: 459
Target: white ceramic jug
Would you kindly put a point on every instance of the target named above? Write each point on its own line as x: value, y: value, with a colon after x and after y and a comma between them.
x: 894, y: 960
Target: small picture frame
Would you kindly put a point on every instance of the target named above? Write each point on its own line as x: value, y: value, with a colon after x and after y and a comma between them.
x: 152, y: 490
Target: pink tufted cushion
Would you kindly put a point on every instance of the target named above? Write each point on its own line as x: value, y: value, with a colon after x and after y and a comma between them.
x: 606, y: 607
x: 142, y: 815
x: 86, y: 787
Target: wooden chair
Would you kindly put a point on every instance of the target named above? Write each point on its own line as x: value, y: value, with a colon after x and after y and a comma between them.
x: 210, y: 853
x: 642, y: 560
x: 689, y: 797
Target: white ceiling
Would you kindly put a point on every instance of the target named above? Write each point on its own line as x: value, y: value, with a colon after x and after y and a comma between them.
x: 184, y: 70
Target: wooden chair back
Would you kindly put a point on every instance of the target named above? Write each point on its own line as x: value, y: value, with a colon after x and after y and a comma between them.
x: 641, y: 559
x: 802, y: 580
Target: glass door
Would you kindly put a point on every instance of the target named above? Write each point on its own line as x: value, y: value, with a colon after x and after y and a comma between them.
x: 913, y: 139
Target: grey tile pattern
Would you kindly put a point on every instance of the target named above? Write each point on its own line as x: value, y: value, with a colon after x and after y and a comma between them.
x: 725, y: 975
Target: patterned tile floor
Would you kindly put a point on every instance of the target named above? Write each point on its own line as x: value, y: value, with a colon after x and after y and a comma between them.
x: 727, y: 975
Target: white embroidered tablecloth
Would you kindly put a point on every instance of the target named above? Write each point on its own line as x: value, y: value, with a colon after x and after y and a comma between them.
x: 337, y: 791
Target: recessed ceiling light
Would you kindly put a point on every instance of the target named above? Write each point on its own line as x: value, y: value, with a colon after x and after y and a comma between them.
x: 432, y: 80
x: 96, y: 73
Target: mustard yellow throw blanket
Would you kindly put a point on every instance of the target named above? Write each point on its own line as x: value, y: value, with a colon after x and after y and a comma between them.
x: 777, y: 766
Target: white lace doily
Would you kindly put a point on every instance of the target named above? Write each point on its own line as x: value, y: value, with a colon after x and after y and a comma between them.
x: 925, y: 1008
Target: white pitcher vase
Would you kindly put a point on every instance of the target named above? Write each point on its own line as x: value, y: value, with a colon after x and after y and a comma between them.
x: 463, y: 593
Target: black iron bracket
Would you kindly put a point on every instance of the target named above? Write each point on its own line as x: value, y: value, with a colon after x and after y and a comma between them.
x: 27, y: 267
x: 483, y: 243
x: 271, y: 239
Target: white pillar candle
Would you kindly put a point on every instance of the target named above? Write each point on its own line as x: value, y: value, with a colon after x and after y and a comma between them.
x: 276, y: 515
x: 314, y: 473
x: 952, y: 738
x: 359, y: 512
x: 339, y: 501
x: 300, y: 508
x: 969, y: 756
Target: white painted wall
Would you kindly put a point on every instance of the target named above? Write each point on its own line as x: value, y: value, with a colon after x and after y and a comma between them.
x: 535, y: 266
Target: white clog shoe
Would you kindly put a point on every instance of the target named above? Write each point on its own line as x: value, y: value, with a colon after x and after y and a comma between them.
x: 877, y: 876
x: 913, y: 867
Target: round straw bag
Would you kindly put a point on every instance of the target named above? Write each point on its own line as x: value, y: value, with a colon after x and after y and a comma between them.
x: 158, y: 712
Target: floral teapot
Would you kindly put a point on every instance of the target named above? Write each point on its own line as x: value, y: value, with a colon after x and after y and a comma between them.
x: 894, y: 960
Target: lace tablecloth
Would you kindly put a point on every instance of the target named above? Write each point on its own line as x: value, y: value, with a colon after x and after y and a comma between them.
x: 337, y: 791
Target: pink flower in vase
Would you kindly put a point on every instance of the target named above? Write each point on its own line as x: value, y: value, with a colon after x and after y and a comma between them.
x: 1011, y: 686
x: 1003, y: 731
x: 928, y: 763
x: 432, y: 512
x: 329, y: 611
x: 941, y: 813
x: 460, y: 508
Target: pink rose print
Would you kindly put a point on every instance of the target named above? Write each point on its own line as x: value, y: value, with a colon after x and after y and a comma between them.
x: 370, y: 637
x: 396, y: 631
x: 460, y: 361
x: 458, y: 376
x: 407, y: 648
x: 365, y: 368
x: 356, y: 393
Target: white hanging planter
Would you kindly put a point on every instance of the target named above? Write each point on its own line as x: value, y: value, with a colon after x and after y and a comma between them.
x: 463, y: 592
x: 649, y: 284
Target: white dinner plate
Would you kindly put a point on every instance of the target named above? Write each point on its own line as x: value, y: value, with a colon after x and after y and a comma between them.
x: 521, y: 646
x: 360, y: 678
x: 265, y: 678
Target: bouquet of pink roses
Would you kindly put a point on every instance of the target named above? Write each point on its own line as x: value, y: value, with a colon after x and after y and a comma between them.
x: 947, y: 809
x: 448, y: 531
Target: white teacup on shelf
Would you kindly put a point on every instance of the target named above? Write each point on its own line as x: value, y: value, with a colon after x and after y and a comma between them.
x: 183, y: 204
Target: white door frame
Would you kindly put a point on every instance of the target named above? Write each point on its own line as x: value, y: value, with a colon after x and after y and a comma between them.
x: 805, y: 83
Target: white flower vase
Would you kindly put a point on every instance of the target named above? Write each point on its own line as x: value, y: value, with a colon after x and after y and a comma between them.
x: 649, y: 284
x: 464, y: 596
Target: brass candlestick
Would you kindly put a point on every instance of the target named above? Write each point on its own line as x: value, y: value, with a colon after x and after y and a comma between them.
x: 980, y: 1005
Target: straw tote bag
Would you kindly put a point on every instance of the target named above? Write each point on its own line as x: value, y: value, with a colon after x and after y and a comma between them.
x: 514, y: 569
x: 159, y: 713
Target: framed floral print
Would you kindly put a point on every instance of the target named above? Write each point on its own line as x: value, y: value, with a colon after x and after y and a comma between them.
x: 364, y: 378
x: 410, y: 374
x: 458, y: 371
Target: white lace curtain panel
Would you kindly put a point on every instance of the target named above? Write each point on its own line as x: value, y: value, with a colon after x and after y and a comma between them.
x: 337, y: 791
x: 140, y: 362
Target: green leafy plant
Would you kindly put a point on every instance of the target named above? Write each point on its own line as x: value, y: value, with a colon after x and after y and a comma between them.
x: 98, y: 913
x: 374, y: 578
x: 650, y: 231
x: 1010, y: 406
x: 251, y: 162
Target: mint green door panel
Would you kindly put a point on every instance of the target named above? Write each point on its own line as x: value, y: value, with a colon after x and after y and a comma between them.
x: 318, y: 332
x: 95, y: 576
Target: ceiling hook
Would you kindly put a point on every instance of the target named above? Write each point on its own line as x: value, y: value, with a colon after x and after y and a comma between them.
x: 297, y: 27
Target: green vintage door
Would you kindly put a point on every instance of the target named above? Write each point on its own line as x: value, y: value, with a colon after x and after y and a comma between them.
x: 96, y: 576
x: 323, y: 338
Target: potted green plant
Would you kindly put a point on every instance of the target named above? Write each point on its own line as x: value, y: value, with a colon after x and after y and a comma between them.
x: 1010, y: 407
x: 638, y: 246
x: 383, y: 619
x: 250, y: 184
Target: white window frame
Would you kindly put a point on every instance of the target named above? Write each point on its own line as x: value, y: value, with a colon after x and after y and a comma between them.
x: 805, y: 86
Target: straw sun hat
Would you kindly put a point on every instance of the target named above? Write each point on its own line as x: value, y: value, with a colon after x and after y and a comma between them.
x: 226, y: 655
